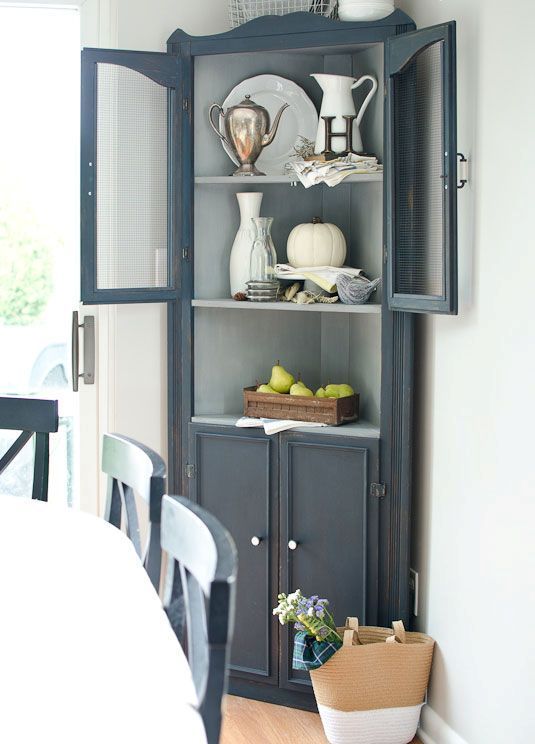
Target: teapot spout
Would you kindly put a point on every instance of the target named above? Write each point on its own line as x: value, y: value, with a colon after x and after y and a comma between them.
x: 267, y: 139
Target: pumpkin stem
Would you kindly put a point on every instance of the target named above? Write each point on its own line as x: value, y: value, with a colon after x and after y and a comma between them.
x: 316, y: 220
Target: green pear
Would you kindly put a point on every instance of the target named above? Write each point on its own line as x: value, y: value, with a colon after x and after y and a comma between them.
x: 300, y: 389
x: 332, y: 391
x: 281, y: 380
x: 320, y: 393
x: 266, y: 389
x: 345, y: 391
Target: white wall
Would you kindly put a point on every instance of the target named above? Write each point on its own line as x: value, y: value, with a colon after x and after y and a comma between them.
x: 147, y: 24
x: 475, y: 510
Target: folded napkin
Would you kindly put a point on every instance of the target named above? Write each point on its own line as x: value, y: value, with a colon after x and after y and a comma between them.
x: 323, y: 276
x: 332, y: 172
x: 273, y: 426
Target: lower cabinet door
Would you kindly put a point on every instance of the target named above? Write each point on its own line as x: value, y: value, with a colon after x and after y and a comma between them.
x: 236, y: 478
x: 327, y: 521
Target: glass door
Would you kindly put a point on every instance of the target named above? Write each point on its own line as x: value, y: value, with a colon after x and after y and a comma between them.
x: 39, y: 229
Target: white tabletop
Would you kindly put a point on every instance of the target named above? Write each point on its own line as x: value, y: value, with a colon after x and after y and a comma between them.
x: 86, y: 652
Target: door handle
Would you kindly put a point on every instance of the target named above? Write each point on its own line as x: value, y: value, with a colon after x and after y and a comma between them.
x: 88, y: 375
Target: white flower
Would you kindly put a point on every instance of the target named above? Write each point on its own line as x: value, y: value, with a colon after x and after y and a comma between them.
x: 294, y: 597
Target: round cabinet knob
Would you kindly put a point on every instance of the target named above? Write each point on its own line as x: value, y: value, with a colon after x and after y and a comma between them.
x: 292, y: 545
x: 255, y: 541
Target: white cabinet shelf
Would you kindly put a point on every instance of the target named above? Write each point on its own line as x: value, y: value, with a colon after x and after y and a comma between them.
x: 318, y: 307
x: 360, y: 428
x: 258, y: 180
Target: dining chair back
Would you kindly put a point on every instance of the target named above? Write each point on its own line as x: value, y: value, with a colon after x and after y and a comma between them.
x: 134, y: 469
x: 202, y: 566
x: 32, y: 417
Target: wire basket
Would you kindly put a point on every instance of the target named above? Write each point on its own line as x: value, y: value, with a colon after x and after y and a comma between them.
x: 241, y: 11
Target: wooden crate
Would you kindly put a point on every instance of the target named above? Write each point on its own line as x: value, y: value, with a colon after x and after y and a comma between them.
x: 331, y: 411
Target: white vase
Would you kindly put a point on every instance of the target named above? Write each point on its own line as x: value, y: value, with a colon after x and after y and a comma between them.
x: 240, y: 255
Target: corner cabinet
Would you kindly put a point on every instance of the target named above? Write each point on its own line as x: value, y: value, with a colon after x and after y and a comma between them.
x: 323, y: 509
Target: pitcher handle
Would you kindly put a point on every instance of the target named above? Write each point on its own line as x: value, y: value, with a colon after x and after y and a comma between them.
x: 368, y: 97
x: 213, y: 107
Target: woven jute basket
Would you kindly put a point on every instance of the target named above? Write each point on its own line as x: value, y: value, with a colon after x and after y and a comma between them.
x: 372, y: 689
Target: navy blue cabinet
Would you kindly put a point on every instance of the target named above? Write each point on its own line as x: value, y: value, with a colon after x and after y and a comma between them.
x: 159, y: 214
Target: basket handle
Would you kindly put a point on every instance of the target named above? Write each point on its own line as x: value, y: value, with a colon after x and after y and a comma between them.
x: 351, y: 637
x: 351, y: 632
x: 399, y: 635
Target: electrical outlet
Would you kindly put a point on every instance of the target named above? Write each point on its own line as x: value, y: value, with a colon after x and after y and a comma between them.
x: 413, y: 588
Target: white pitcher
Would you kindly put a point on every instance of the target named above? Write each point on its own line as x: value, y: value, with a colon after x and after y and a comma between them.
x: 338, y: 102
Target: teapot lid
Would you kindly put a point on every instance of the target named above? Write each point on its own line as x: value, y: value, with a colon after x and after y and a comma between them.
x: 248, y: 103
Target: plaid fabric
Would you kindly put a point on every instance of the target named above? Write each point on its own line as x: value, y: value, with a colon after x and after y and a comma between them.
x: 310, y: 653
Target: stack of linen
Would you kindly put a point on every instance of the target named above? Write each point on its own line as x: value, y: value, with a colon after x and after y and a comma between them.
x: 332, y: 172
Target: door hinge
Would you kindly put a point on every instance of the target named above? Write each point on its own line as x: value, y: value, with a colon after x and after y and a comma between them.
x: 189, y: 470
x: 185, y: 104
x: 377, y: 490
x: 385, y: 255
x: 185, y: 253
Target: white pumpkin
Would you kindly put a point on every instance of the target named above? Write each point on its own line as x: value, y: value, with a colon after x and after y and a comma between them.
x: 316, y: 243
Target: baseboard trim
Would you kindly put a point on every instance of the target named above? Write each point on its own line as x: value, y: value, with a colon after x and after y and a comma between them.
x: 434, y: 730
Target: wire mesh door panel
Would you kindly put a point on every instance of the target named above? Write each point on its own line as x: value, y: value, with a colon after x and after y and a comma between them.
x: 421, y: 195
x: 127, y: 233
x: 131, y: 192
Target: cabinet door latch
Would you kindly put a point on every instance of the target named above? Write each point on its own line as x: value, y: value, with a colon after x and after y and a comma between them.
x: 462, y: 171
x: 189, y: 470
x: 377, y: 490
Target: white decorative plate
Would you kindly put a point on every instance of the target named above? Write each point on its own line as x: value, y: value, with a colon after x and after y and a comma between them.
x: 300, y: 118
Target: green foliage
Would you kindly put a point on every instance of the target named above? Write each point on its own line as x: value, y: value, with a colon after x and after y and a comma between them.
x: 26, y: 253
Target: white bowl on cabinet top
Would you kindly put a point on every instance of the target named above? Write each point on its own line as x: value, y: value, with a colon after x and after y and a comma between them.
x: 364, y: 10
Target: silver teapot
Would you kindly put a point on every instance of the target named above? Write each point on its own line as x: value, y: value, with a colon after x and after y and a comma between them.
x: 246, y: 128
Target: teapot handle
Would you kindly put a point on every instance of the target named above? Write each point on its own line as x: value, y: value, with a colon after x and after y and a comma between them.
x: 368, y: 97
x: 213, y: 107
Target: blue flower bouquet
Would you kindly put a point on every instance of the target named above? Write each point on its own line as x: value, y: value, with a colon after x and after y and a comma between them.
x: 316, y: 638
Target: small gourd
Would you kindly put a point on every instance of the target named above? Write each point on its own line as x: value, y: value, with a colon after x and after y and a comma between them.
x: 316, y: 243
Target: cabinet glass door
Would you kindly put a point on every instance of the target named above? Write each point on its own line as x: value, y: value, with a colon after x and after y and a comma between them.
x: 421, y: 166
x: 128, y: 167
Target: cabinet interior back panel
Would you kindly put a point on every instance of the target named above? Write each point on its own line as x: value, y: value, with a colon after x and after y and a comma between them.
x: 351, y: 352
x: 371, y: 62
x: 355, y: 208
x: 366, y: 230
x: 217, y: 219
x: 365, y: 364
x: 216, y: 76
x: 233, y: 352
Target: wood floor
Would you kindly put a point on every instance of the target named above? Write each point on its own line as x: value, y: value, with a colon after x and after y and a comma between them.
x: 251, y: 722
